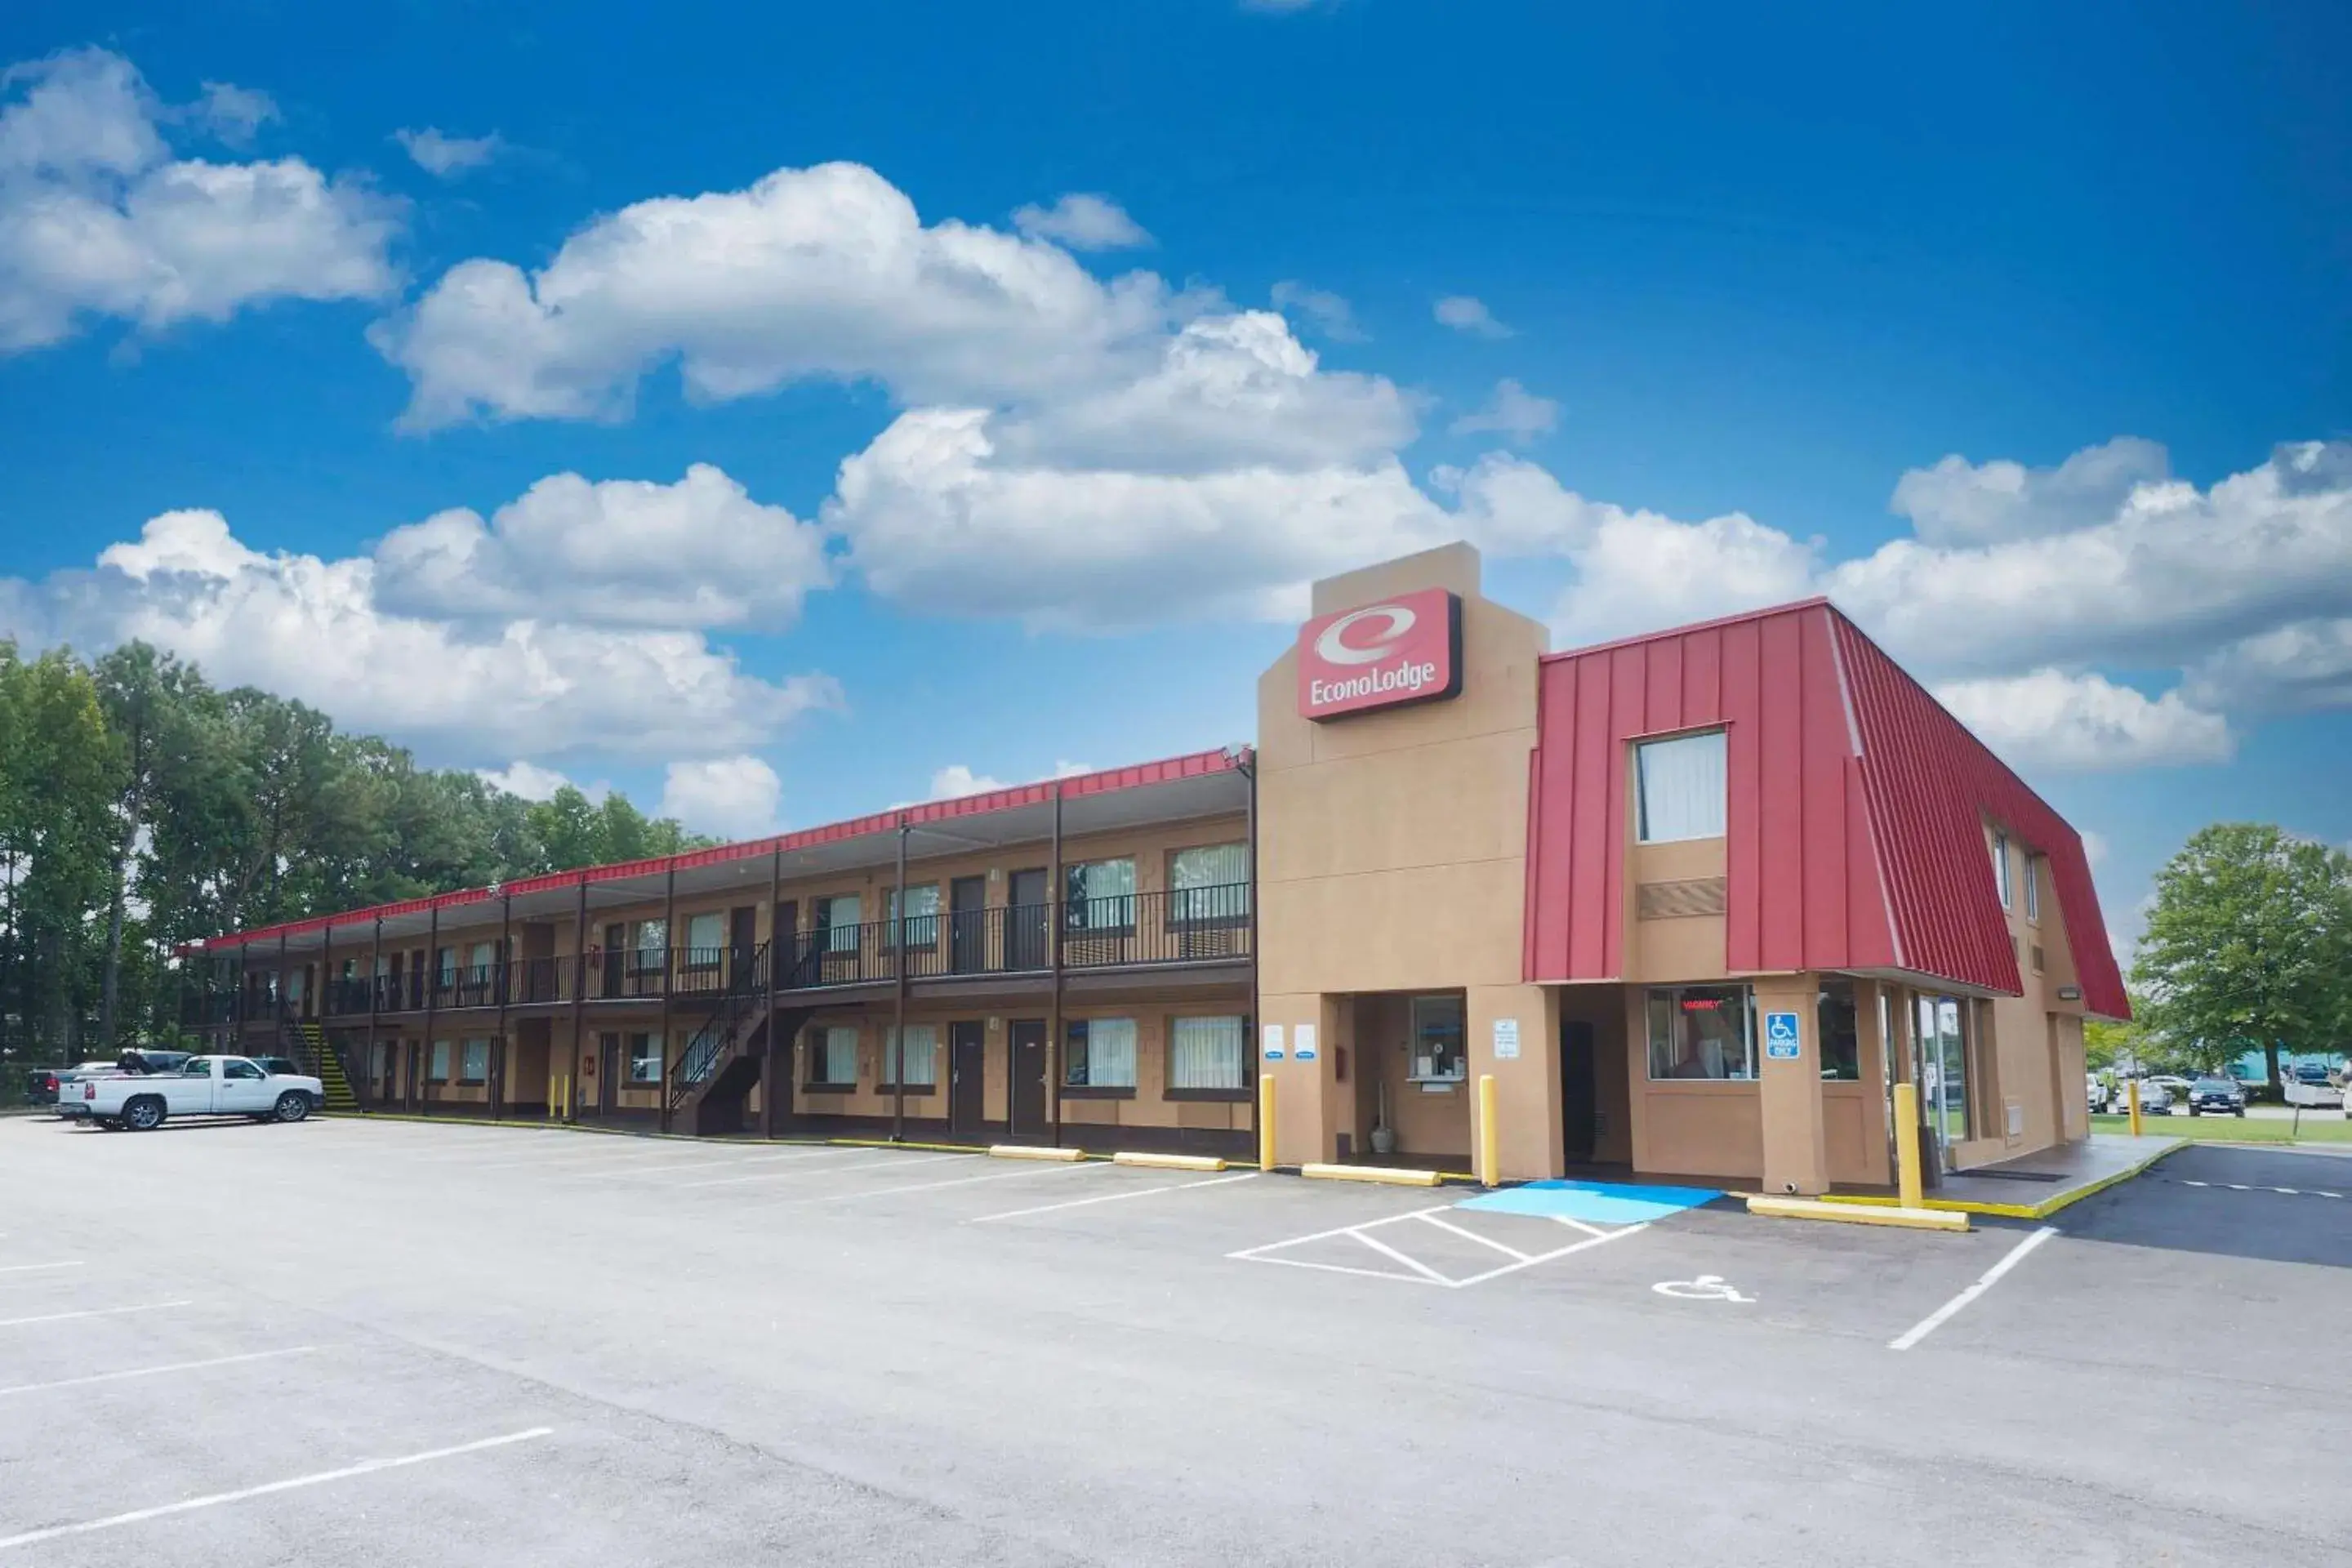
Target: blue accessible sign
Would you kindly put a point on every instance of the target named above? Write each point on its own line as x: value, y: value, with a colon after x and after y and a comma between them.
x: 1781, y: 1037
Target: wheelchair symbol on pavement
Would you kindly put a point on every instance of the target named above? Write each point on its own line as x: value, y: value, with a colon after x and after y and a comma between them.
x: 1705, y: 1287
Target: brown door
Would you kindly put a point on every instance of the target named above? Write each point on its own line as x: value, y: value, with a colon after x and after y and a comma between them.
x: 967, y: 1076
x: 743, y: 942
x: 968, y: 924
x: 1024, y: 922
x: 616, y: 955
x: 1028, y: 1078
x: 785, y: 950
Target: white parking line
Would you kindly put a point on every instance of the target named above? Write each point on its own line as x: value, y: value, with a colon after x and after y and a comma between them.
x: 156, y: 1371
x: 1468, y: 1234
x: 29, y: 1267
x: 1945, y: 1313
x: 90, y: 1312
x: 887, y: 1159
x: 710, y: 1165
x: 958, y: 1181
x: 1422, y: 1273
x: 364, y: 1468
x: 1113, y: 1197
x: 1418, y: 1267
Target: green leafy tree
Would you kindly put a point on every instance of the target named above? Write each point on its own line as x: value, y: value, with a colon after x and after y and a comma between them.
x: 2249, y: 944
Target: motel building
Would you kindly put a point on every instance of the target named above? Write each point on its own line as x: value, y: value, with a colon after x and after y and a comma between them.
x: 1696, y: 901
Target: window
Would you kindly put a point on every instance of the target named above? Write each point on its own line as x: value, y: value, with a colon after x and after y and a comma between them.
x: 444, y: 965
x: 1944, y: 1069
x: 919, y: 1060
x: 706, y: 935
x: 486, y: 953
x: 1435, y: 1047
x: 921, y: 927
x: 1839, y: 1028
x: 653, y: 943
x: 838, y: 918
x: 833, y: 1057
x: 2033, y: 888
x: 1701, y: 1032
x: 2000, y: 867
x: 196, y: 1067
x: 1101, y: 895
x: 644, y: 1059
x: 1098, y: 1053
x: 1681, y: 787
x: 1207, y: 1053
x: 473, y: 1062
x: 1209, y: 884
x: 236, y: 1067
x: 437, y: 1064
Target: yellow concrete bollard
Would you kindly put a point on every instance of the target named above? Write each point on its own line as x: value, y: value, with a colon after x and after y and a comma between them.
x: 1489, y: 1142
x: 1265, y: 1124
x: 1907, y: 1182
x: 2131, y: 1103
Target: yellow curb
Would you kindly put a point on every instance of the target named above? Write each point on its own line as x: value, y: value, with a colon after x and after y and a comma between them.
x: 1857, y: 1213
x: 1379, y: 1173
x: 1172, y: 1162
x: 2042, y: 1210
x: 885, y: 1143
x: 1024, y: 1151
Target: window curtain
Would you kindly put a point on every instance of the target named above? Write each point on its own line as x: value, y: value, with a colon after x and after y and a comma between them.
x: 1210, y: 882
x: 837, y: 1056
x: 919, y: 926
x: 475, y: 1064
x: 1683, y: 787
x: 920, y: 1062
x: 1110, y: 1053
x: 705, y: 935
x: 1204, y: 1053
x: 1101, y: 895
x: 841, y: 918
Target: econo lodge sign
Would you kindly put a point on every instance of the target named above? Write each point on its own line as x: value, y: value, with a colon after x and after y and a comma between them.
x: 1402, y: 649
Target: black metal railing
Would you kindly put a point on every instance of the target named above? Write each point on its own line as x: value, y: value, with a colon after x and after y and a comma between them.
x: 741, y: 986
x: 1180, y: 926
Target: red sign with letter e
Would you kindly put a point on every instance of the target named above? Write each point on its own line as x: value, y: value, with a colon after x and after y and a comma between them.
x: 1383, y: 655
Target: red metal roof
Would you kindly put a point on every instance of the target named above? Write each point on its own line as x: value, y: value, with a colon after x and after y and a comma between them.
x: 1104, y: 781
x: 1854, y: 839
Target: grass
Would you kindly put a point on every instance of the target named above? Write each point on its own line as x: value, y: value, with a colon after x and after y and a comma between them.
x: 2318, y: 1127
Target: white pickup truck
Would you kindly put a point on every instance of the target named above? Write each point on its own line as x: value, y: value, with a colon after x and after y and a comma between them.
x: 205, y: 1086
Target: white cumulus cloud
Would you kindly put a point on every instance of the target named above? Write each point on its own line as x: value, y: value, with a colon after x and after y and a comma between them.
x: 1512, y: 411
x: 1329, y: 313
x: 2048, y: 719
x: 526, y: 780
x: 1959, y: 502
x: 444, y: 156
x: 98, y: 219
x: 1468, y: 313
x: 1082, y: 221
x: 731, y: 797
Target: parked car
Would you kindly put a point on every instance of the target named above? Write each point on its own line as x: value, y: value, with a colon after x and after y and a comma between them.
x: 2155, y: 1098
x: 283, y: 1066
x: 147, y: 1059
x: 59, y: 1079
x: 2219, y: 1096
x: 2097, y: 1092
x: 2174, y: 1085
x: 205, y: 1086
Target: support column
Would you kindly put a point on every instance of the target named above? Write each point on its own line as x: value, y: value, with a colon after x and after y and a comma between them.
x: 326, y: 992
x: 1056, y: 912
x: 1796, y: 1136
x: 1247, y: 763
x: 779, y: 946
x: 896, y: 905
x: 1512, y: 1033
x: 579, y: 1000
x: 497, y: 1064
x: 375, y: 998
x: 415, y: 1074
x: 669, y: 968
x: 242, y: 1045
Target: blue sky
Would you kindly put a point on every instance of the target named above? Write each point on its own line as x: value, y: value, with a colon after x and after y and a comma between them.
x: 1001, y: 495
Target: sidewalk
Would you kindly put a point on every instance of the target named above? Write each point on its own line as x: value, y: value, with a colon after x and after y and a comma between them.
x: 2037, y: 1186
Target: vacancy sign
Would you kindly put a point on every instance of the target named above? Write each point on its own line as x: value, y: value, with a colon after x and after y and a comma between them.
x: 1402, y: 649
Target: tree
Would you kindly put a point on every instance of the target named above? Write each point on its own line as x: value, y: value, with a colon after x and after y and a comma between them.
x: 2249, y: 945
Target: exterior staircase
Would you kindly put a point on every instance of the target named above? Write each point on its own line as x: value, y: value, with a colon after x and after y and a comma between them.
x: 306, y: 1041
x: 711, y: 1082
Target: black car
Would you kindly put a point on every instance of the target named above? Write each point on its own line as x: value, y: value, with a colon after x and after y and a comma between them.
x: 2219, y: 1096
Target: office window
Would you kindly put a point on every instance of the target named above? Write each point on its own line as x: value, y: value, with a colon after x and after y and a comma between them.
x: 1701, y: 1032
x: 921, y: 1058
x: 833, y: 1056
x: 644, y: 1059
x: 1098, y: 1053
x: 706, y: 936
x: 1839, y: 1025
x: 1435, y: 1047
x: 838, y: 918
x: 1209, y: 884
x: 2033, y: 888
x: 473, y: 1062
x: 918, y: 926
x: 2000, y: 867
x: 436, y: 1063
x: 1681, y: 787
x: 1101, y: 895
x: 1207, y: 1053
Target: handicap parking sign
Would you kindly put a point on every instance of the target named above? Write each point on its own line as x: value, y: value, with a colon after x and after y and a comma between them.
x: 1781, y: 1037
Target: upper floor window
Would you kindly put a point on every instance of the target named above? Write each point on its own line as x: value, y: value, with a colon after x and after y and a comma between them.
x: 2034, y: 887
x: 838, y: 917
x: 706, y: 934
x: 1681, y: 787
x: 1209, y: 884
x: 918, y: 924
x: 2001, y: 869
x: 1101, y: 895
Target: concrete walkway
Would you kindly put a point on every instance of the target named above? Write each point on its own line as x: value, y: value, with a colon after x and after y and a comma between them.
x: 2018, y: 1189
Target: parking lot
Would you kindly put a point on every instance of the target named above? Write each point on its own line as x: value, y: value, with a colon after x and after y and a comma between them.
x: 381, y: 1342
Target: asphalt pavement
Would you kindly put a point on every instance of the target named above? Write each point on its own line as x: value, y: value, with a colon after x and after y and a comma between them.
x: 384, y: 1343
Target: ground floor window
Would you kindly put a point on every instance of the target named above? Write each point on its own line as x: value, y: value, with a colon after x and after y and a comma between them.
x: 644, y: 1059
x: 833, y: 1057
x: 1207, y: 1053
x: 918, y: 1061
x: 1437, y: 1037
x: 474, y: 1063
x: 1839, y: 1024
x: 436, y: 1063
x: 1099, y: 1053
x: 1701, y: 1032
x: 1944, y: 1067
